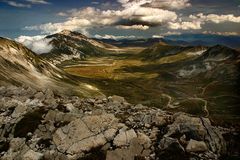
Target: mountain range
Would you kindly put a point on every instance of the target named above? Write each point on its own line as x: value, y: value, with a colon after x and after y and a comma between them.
x: 179, y: 40
x: 76, y: 62
x: 188, y: 88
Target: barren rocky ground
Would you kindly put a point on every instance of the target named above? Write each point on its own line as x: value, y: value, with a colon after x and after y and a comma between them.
x: 38, y: 125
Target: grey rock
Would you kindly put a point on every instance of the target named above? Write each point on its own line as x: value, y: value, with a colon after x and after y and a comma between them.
x: 196, y: 146
x: 84, y: 134
x: 167, y: 142
x: 70, y: 127
x: 124, y: 138
x: 199, y: 129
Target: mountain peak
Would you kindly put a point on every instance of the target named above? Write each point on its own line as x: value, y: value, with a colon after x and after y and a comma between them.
x: 65, y: 32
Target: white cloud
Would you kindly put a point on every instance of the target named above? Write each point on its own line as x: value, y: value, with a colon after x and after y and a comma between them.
x: 133, y: 17
x: 166, y: 34
x: 16, y: 4
x: 171, y: 33
x: 170, y: 4
x: 106, y: 36
x: 62, y: 14
x: 38, y: 1
x: 194, y: 25
x: 25, y: 5
x: 216, y: 18
x: 196, y: 21
x: 221, y: 33
x: 139, y: 27
x: 72, y: 24
x: 95, y: 2
x: 157, y: 36
x: 37, y: 44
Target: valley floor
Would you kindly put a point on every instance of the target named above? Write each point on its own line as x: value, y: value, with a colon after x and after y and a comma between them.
x: 156, y: 84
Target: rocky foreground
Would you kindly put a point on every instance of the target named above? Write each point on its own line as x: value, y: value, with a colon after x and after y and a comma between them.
x: 38, y: 125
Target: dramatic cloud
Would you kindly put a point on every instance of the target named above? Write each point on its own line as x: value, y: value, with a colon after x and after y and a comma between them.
x: 106, y: 36
x: 37, y: 44
x: 16, y: 4
x: 133, y: 17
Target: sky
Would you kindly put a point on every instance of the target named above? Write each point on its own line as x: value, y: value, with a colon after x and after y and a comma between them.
x: 22, y: 19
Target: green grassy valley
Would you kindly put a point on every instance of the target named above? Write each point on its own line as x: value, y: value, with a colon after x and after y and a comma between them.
x: 159, y: 83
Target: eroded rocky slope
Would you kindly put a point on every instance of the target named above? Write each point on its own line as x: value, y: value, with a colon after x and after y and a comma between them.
x: 42, y: 125
x: 69, y: 46
x: 21, y: 66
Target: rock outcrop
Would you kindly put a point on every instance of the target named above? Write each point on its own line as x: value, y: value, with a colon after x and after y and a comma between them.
x: 38, y: 125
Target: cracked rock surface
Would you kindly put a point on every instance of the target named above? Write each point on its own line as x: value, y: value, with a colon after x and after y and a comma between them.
x: 40, y: 125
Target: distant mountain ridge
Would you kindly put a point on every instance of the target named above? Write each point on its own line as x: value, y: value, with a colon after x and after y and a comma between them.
x: 179, y: 40
x: 193, y: 61
x: 217, y: 62
x: 160, y: 50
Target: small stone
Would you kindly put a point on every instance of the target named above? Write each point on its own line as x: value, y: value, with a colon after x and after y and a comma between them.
x: 70, y: 107
x: 117, y: 99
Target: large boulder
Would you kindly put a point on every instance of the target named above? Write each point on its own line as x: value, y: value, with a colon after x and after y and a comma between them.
x: 82, y: 135
x: 124, y: 138
x: 199, y: 131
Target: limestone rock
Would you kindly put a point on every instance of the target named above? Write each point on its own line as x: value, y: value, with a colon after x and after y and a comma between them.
x: 32, y: 155
x: 99, y: 123
x: 124, y: 138
x: 77, y: 132
x: 42, y: 125
x: 144, y: 140
x: 110, y: 134
x: 119, y: 154
x: 117, y: 99
x: 87, y: 144
x: 199, y: 129
x: 170, y: 149
x: 196, y: 146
